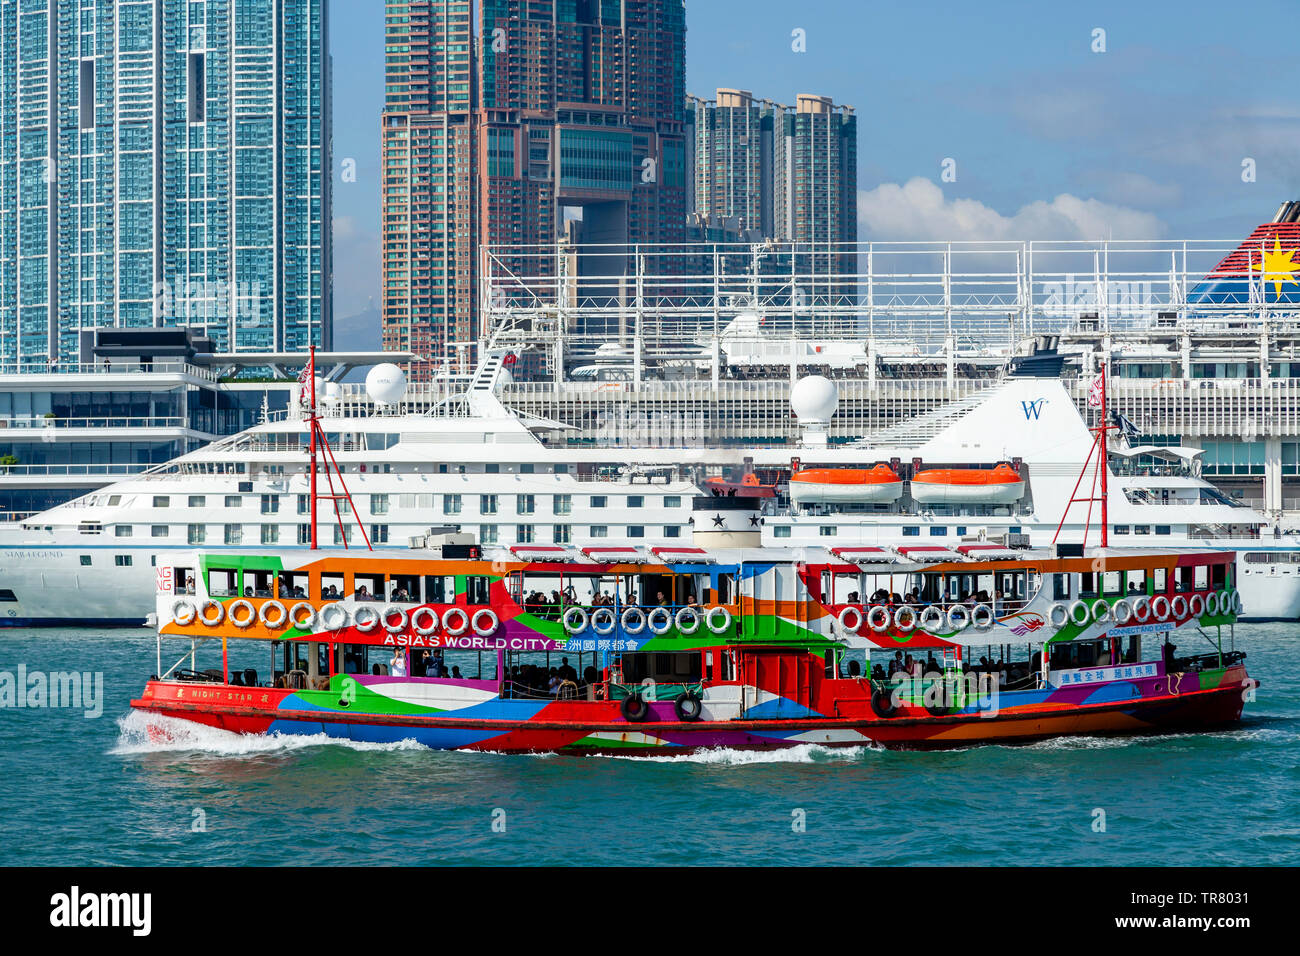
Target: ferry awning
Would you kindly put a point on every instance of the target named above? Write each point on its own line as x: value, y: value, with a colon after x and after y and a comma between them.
x: 683, y: 555
x: 988, y: 552
x: 925, y: 553
x: 541, y: 552
x: 625, y: 555
x: 1170, y: 452
x: 866, y: 555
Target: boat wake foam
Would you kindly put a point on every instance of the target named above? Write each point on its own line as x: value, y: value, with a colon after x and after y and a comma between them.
x: 141, y: 733
x: 802, y: 753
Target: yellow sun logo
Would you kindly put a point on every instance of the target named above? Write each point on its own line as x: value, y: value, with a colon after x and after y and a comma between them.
x: 1278, y: 267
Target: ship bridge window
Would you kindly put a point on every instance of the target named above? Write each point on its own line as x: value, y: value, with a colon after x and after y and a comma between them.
x: 367, y: 587
x: 223, y: 582
x: 331, y: 587
x: 404, y: 588
x: 439, y: 589
x: 1137, y: 582
x: 184, y: 578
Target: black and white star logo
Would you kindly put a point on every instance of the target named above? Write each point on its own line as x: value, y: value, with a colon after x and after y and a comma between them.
x: 753, y: 521
x: 717, y: 521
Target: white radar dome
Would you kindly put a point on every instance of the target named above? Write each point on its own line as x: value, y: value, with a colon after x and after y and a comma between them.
x: 814, y: 399
x: 386, y: 384
x: 332, y: 392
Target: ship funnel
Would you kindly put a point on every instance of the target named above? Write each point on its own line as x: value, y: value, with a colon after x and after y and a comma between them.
x: 726, y: 522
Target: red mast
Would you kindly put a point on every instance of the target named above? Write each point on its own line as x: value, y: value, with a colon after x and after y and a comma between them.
x: 1098, y: 448
x: 331, y: 466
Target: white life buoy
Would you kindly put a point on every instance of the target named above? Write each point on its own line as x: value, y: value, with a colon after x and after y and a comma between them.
x: 898, y: 617
x: 603, y: 620
x: 878, y: 618
x: 633, y: 620
x: 1178, y: 606
x: 302, y: 623
x: 424, y: 620
x: 1058, y: 608
x: 958, y: 617
x: 459, y: 615
x: 709, y: 619
x: 281, y: 615
x: 850, y: 619
x: 985, y: 622
x: 1142, y: 609
x: 183, y: 612
x: 1100, y: 611
x: 932, y: 619
x: 1123, y: 611
x: 659, y: 620
x: 1196, y: 605
x: 1212, y: 603
x: 687, y: 620
x: 212, y: 621
x: 341, y: 616
x: 1079, y: 613
x: 484, y: 630
x: 1237, y: 606
x: 370, y: 623
x: 402, y: 619
x: 575, y: 620
x: 1160, y: 608
x: 241, y: 605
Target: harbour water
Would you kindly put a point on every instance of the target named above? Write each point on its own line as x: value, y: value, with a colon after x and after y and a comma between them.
x: 97, y: 791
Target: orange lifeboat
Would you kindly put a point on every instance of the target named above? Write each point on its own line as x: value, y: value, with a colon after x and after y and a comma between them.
x: 826, y: 485
x: 997, y: 486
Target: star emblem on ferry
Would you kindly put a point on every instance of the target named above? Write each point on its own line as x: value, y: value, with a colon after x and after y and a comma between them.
x: 1278, y: 267
x: 717, y: 521
x: 753, y: 521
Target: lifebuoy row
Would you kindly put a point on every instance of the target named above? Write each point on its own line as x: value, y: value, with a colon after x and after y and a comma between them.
x: 906, y: 618
x: 1144, y: 609
x: 658, y: 620
x: 333, y: 617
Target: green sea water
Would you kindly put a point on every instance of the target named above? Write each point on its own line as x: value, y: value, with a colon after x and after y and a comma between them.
x: 95, y: 790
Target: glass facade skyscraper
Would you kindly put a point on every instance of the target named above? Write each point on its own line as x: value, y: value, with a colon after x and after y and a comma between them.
x: 164, y: 162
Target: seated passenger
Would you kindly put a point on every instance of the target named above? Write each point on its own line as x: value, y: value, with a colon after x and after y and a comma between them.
x: 362, y: 593
x: 455, y: 673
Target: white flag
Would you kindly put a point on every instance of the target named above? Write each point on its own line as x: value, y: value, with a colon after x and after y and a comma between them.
x: 1094, y: 393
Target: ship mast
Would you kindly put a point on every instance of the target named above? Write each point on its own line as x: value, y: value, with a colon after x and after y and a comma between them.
x: 1099, y: 471
x: 331, y: 467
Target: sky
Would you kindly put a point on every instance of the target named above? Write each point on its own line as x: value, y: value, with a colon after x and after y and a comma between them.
x: 1054, y: 130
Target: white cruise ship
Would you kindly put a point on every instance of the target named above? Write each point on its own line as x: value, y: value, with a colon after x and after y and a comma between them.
x: 473, y: 463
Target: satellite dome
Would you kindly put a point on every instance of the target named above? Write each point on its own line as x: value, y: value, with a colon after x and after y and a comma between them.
x: 332, y: 392
x: 386, y: 384
x: 814, y: 399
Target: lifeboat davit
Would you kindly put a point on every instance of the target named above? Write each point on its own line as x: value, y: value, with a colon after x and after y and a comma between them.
x: 998, y: 486
x: 827, y: 485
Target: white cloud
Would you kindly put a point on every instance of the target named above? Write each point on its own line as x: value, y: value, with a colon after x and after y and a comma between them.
x: 919, y: 210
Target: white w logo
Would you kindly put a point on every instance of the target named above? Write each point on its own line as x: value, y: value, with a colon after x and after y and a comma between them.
x: 1033, y: 408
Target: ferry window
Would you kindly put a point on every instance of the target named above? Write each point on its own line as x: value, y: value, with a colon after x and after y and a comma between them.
x: 1202, y: 577
x: 1110, y: 583
x: 476, y: 589
x: 161, y: 501
x: 1121, y: 529
x: 781, y: 531
x: 599, y: 531
x: 1218, y: 576
x: 304, y: 504
x: 1183, y: 582
x: 331, y: 586
x: 367, y: 587
x: 911, y: 531
x: 122, y: 530
x: 223, y: 582
x: 196, y: 533
x: 1087, y: 585
x: 262, y: 583
x: 1162, y: 529
x: 726, y: 588
x: 184, y: 578
x: 539, y: 593
x: 938, y: 531
x: 404, y: 588
x: 7, y: 595
x: 197, y: 501
x: 270, y: 504
x: 234, y: 534
x: 1141, y: 529
x: 524, y: 534
x: 122, y: 560
x: 847, y: 588
x: 636, y: 501
x: 672, y: 531
x: 304, y: 534
x: 293, y: 584
x: 379, y: 534
x: 672, y: 501
x: 526, y: 468
x: 1060, y: 587
x: 487, y: 534
x: 1159, y: 576
x: 379, y: 504
x: 636, y: 531
x: 961, y: 530
x: 439, y: 589
x: 562, y: 504
x: 85, y: 560
x: 1137, y: 582
x: 598, y: 501
x: 828, y: 531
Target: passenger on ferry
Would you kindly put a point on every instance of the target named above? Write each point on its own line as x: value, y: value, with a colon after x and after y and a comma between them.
x: 362, y: 593
x: 248, y: 592
x: 402, y: 596
x: 931, y: 665
x: 455, y: 673
x: 397, y: 666
x: 566, y: 670
x: 853, y: 597
x: 855, y: 669
x: 283, y: 589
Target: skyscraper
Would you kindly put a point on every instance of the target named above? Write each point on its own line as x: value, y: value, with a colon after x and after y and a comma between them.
x: 730, y: 141
x: 164, y: 162
x: 554, y: 118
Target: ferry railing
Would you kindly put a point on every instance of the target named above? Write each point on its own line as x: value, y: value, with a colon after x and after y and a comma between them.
x: 103, y: 421
x: 72, y: 470
x: 115, y: 367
